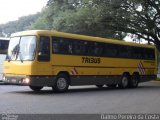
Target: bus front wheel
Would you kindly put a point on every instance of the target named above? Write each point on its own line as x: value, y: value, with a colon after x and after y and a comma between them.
x: 61, y: 83
x: 36, y: 88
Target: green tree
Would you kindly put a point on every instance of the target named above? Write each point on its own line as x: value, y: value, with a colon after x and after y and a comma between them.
x: 24, y: 23
x: 78, y: 16
x: 142, y: 18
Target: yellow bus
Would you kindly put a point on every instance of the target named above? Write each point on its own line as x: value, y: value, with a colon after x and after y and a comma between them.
x: 40, y: 58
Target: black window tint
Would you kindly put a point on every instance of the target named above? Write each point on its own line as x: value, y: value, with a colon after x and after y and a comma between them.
x: 55, y: 46
x: 136, y: 53
x: 62, y: 45
x: 44, y: 49
x: 124, y: 51
x: 88, y: 48
x: 3, y: 46
x: 111, y: 50
x: 99, y: 49
x: 80, y: 47
x: 149, y: 54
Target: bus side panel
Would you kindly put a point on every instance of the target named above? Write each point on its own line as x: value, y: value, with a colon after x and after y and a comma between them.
x: 106, y: 66
x: 108, y: 71
x: 94, y: 80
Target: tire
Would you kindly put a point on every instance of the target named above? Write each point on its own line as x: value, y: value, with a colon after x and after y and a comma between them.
x: 133, y: 83
x: 36, y: 88
x: 61, y: 83
x: 124, y: 82
x: 99, y: 86
x: 112, y: 85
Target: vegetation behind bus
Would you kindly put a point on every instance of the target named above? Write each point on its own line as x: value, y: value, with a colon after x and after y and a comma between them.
x: 104, y: 18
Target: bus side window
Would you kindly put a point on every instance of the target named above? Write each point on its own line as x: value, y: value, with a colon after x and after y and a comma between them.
x: 55, y: 45
x: 111, y: 50
x: 98, y: 49
x: 66, y: 46
x: 44, y: 49
x: 149, y: 54
x: 79, y: 47
x: 3, y: 46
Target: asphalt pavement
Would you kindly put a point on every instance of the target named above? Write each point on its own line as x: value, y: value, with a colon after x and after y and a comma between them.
x: 81, y: 100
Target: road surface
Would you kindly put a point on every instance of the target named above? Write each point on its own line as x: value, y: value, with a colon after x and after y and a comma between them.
x: 82, y: 99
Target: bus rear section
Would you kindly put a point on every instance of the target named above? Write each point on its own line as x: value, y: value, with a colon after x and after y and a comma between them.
x: 59, y: 60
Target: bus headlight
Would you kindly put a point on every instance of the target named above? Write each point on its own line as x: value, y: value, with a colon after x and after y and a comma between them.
x: 26, y: 80
x: 4, y: 78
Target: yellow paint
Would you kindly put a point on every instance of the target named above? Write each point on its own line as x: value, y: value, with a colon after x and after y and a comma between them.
x: 58, y: 63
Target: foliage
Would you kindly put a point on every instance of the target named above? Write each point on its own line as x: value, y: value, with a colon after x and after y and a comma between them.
x: 142, y: 18
x: 78, y: 16
x: 107, y: 18
x: 23, y: 23
x: 102, y: 18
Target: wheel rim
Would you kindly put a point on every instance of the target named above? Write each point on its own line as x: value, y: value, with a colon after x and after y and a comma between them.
x: 124, y: 82
x: 61, y: 83
x: 134, y: 81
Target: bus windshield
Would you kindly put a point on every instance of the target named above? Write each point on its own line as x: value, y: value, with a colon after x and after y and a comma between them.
x: 22, y: 48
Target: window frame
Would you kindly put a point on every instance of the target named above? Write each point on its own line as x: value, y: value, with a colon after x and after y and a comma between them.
x: 108, y: 49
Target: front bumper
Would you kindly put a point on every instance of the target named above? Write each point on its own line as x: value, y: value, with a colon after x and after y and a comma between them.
x: 29, y: 80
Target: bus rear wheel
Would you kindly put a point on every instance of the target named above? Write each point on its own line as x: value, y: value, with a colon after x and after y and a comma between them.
x: 36, y: 88
x: 124, y: 82
x: 61, y: 83
x: 133, y: 83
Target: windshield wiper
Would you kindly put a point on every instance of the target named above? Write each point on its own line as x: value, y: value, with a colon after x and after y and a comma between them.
x: 13, y: 54
x: 20, y: 57
x: 8, y: 58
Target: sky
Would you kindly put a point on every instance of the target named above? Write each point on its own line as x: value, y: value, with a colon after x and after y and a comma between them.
x: 11, y: 10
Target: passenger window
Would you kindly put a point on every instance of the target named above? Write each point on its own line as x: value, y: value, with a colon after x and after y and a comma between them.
x: 55, y: 45
x: 44, y: 49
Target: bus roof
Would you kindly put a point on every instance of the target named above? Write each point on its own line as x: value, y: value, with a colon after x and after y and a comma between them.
x: 76, y: 36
